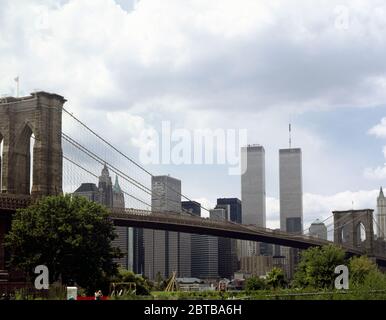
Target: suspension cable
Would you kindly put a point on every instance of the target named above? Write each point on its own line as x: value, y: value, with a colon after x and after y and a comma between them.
x: 112, y: 168
x: 94, y: 175
x: 125, y: 156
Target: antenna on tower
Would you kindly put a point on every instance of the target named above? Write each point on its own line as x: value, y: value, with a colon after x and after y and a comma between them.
x: 289, y: 132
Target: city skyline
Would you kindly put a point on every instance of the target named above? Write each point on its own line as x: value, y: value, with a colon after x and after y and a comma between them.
x: 189, y: 151
x: 332, y: 96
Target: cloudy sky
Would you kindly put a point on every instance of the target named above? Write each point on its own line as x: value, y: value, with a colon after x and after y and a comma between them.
x: 125, y: 66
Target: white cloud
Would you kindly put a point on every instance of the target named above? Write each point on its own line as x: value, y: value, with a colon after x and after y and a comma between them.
x: 321, y: 206
x: 197, y: 63
x: 205, y: 203
x: 378, y: 173
x: 379, y: 130
x: 126, y: 124
x: 272, y: 213
x: 255, y: 54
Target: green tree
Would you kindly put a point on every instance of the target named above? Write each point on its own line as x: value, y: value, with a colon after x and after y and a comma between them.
x: 317, y: 265
x: 160, y: 282
x: 143, y: 286
x: 70, y: 235
x: 254, y: 284
x: 276, y: 278
x: 360, y: 268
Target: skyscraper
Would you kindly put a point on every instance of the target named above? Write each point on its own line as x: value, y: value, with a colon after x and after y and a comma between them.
x: 291, y: 190
x: 233, y: 207
x: 166, y: 251
x: 111, y: 197
x: 138, y: 251
x: 318, y: 230
x: 253, y: 185
x: 252, y: 194
x: 204, y: 250
x: 291, y: 200
x: 227, y: 248
x: 89, y: 191
x: 105, y: 186
x: 192, y: 207
x: 224, y: 263
x: 124, y: 239
x: 381, y: 215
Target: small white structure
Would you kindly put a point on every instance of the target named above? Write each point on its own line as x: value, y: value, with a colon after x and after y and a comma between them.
x: 72, y: 293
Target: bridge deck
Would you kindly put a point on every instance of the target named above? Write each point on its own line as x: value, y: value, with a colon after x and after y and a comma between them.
x: 191, y: 224
x: 170, y: 221
x: 13, y: 201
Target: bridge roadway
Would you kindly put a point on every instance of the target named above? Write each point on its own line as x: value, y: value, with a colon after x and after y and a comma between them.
x: 171, y: 221
x: 190, y: 224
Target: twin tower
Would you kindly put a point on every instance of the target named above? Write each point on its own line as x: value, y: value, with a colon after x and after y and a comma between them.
x: 253, y: 192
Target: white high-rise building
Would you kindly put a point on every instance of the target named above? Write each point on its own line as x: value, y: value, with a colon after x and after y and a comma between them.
x: 381, y: 215
x: 252, y: 194
x: 291, y: 201
x: 253, y: 185
x: 291, y: 190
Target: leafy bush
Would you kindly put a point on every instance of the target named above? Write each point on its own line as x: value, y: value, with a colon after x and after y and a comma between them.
x: 255, y: 283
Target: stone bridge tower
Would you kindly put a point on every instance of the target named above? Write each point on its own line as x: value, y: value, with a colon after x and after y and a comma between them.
x: 355, y: 229
x: 39, y: 116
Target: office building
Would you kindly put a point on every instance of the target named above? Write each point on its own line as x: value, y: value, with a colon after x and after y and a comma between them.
x: 89, y: 191
x: 253, y: 185
x: 124, y: 239
x: 234, y: 209
x: 291, y: 201
x: 166, y: 251
x: 318, y: 230
x: 138, y: 251
x: 192, y: 207
x: 111, y: 197
x: 253, y: 197
x: 291, y: 190
x: 204, y: 248
x: 256, y: 265
x: 227, y: 248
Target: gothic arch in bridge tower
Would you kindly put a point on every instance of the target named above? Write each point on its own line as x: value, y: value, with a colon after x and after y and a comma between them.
x: 38, y: 116
x: 22, y: 159
x: 354, y: 228
x: 360, y: 234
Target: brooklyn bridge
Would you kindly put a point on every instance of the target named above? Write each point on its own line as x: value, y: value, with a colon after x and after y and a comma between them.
x: 46, y: 150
